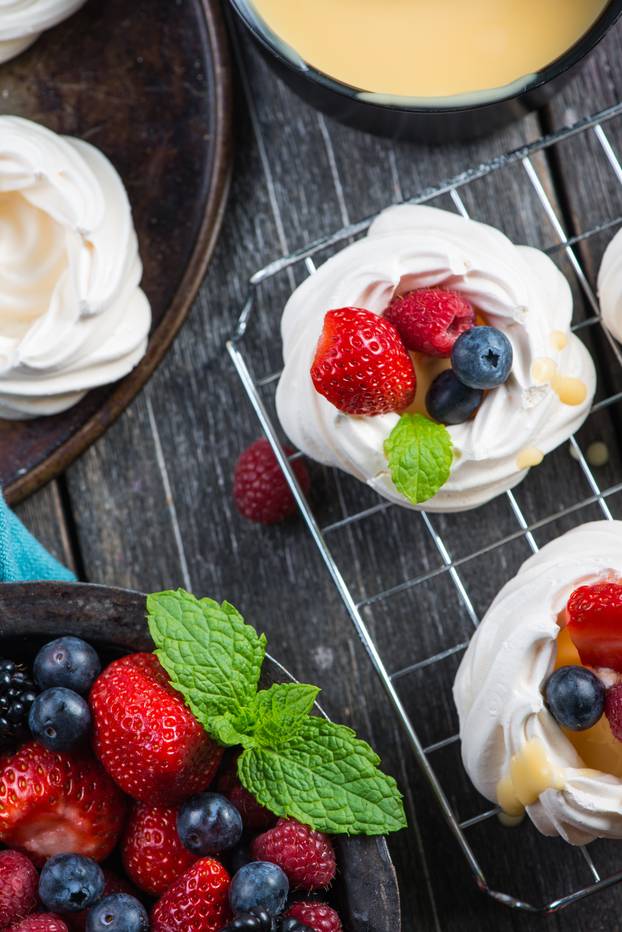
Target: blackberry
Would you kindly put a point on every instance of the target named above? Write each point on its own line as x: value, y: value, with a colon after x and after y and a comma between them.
x: 261, y: 921
x: 257, y: 920
x: 17, y: 693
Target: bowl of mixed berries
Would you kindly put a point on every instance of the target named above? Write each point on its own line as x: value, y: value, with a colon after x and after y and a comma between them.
x: 194, y: 787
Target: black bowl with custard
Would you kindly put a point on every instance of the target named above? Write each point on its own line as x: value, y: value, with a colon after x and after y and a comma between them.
x: 398, y: 117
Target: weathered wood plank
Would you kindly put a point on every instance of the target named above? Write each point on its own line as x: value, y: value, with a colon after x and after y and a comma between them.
x: 44, y: 516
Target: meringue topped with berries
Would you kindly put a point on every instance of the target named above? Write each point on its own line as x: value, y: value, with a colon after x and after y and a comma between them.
x: 433, y: 360
x: 539, y: 690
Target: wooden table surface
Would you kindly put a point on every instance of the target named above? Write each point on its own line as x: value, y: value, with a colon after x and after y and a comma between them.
x: 149, y: 506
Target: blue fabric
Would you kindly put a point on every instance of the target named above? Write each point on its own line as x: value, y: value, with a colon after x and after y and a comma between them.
x: 22, y: 557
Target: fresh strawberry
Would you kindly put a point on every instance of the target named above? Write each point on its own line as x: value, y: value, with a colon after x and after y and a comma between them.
x: 145, y: 735
x: 197, y: 902
x: 361, y: 365
x: 53, y: 803
x: 306, y: 856
x: 260, y: 489
x: 613, y: 710
x: 318, y: 916
x: 254, y: 815
x: 41, y: 922
x: 595, y: 624
x: 113, y: 884
x: 430, y: 320
x: 19, y: 883
x: 153, y: 855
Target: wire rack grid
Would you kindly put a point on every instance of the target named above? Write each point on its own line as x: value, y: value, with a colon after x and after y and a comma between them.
x: 451, y: 567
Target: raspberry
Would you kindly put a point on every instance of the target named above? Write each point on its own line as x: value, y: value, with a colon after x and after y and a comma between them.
x: 361, y: 365
x: 19, y: 882
x: 430, y: 320
x: 254, y: 815
x: 260, y: 488
x: 306, y: 856
x: 613, y: 710
x: 318, y: 916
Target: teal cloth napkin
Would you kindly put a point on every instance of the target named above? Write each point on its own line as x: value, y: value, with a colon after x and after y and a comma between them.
x: 22, y: 558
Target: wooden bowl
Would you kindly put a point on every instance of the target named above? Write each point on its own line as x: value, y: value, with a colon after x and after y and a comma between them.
x: 113, y: 620
x: 148, y: 83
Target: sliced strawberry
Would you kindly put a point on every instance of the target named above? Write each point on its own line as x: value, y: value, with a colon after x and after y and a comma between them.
x: 145, y: 735
x: 595, y: 624
x: 361, y: 365
x: 54, y: 803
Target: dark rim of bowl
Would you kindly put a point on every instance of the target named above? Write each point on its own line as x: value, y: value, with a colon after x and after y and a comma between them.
x: 555, y: 69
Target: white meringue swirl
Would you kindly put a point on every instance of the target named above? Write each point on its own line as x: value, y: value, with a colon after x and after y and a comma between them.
x: 23, y: 21
x: 72, y: 314
x: 610, y: 286
x: 520, y: 291
x: 498, y: 687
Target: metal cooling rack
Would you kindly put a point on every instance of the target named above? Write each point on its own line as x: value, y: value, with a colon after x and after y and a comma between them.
x: 279, y: 278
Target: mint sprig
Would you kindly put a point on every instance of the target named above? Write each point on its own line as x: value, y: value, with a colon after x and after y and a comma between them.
x: 212, y: 657
x: 419, y: 452
x: 296, y: 764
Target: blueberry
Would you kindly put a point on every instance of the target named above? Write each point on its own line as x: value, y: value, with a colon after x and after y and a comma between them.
x: 69, y: 662
x: 209, y: 823
x: 259, y: 884
x: 450, y: 401
x: 575, y: 697
x: 70, y: 883
x: 482, y: 357
x: 118, y: 912
x: 59, y: 719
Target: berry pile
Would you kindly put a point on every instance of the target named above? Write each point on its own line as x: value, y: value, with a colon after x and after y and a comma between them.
x: 578, y: 696
x: 363, y: 365
x: 113, y: 765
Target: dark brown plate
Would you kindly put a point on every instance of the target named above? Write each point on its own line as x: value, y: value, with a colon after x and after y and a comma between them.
x: 114, y: 620
x: 148, y: 82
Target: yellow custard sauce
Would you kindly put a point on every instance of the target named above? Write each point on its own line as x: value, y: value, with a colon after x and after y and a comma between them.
x: 429, y: 48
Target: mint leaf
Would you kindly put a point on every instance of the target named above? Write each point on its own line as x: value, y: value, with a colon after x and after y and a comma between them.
x: 297, y: 765
x: 280, y: 711
x: 212, y: 657
x: 325, y: 777
x: 419, y: 452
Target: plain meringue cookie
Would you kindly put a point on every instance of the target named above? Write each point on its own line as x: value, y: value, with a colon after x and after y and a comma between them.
x: 498, y: 687
x: 23, y: 21
x: 517, y: 288
x: 610, y: 287
x: 72, y: 314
